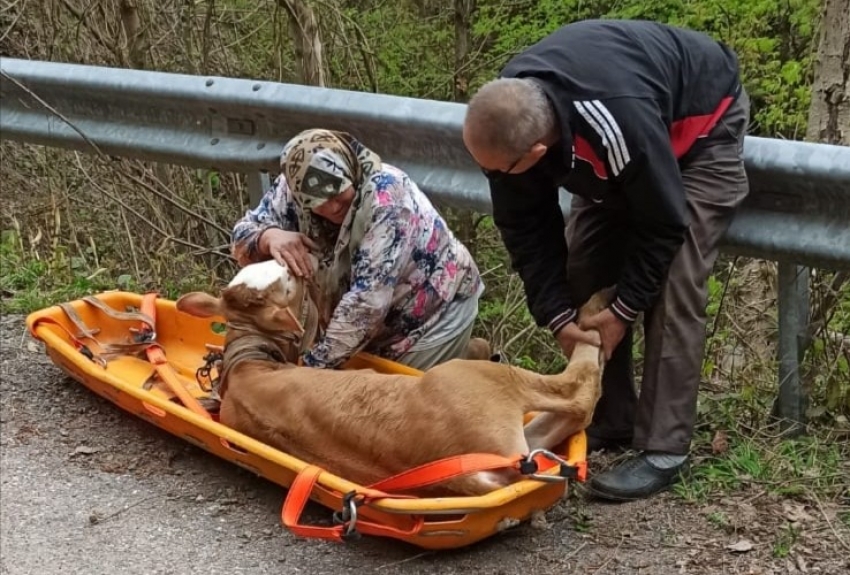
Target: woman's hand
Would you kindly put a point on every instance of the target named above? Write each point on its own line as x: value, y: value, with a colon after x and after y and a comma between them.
x: 291, y: 249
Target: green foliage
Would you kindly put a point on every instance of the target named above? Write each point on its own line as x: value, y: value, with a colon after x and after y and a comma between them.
x: 785, y: 540
x: 719, y: 519
x: 27, y: 283
x: 788, y: 468
x: 774, y: 40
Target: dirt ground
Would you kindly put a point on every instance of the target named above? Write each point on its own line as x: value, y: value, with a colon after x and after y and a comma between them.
x: 89, y: 489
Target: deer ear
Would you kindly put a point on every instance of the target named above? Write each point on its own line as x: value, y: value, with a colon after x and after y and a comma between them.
x: 199, y: 304
x: 286, y: 321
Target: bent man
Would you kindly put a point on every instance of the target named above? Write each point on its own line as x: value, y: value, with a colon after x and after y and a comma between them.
x: 644, y: 124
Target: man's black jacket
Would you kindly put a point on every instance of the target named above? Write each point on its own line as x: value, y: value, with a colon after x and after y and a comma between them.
x: 632, y: 98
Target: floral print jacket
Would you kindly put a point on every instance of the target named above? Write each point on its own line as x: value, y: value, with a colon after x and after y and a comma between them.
x: 406, y: 270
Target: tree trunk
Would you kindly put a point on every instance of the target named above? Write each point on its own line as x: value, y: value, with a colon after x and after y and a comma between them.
x: 187, y: 25
x: 304, y: 28
x: 829, y: 115
x: 207, y: 40
x: 829, y: 123
x: 133, y: 34
x: 466, y: 228
x: 463, y: 26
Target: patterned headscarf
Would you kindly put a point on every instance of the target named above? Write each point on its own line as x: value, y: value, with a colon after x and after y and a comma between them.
x: 318, y: 165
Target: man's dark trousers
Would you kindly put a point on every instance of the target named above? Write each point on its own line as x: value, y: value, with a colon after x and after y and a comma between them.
x: 662, y: 417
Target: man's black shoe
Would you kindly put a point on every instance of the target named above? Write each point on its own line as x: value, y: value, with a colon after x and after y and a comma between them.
x: 635, y: 479
x: 597, y: 443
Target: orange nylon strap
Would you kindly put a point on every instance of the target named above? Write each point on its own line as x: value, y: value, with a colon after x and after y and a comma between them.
x: 115, y: 314
x: 81, y: 347
x: 444, y: 469
x: 84, y: 330
x: 156, y: 355
x: 74, y: 339
x: 296, y: 500
x: 299, y: 494
x: 427, y: 474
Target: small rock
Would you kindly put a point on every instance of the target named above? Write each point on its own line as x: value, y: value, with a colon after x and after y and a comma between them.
x: 199, y: 498
x: 720, y: 443
x: 538, y: 521
x: 741, y: 546
x: 795, y: 512
x: 86, y: 450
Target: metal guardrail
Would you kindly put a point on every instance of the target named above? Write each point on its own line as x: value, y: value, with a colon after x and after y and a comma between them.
x: 797, y: 213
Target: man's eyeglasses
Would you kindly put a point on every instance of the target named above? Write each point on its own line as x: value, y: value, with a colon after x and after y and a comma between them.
x: 501, y: 173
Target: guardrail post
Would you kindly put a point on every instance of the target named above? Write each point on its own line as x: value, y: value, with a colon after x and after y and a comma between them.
x: 258, y: 184
x: 793, y: 294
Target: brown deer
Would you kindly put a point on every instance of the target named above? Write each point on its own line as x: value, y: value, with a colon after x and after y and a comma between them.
x: 365, y: 426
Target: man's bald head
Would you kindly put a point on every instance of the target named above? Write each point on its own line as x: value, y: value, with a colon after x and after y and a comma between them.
x: 507, y: 116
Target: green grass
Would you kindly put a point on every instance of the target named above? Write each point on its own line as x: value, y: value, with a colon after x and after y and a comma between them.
x: 796, y: 468
x: 785, y: 540
x: 719, y: 519
x: 29, y: 283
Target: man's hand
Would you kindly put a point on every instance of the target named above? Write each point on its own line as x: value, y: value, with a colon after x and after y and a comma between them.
x: 610, y: 327
x: 571, y: 334
x: 291, y: 249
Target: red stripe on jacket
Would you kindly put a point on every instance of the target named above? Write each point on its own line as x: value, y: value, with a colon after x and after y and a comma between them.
x: 584, y: 151
x: 684, y: 132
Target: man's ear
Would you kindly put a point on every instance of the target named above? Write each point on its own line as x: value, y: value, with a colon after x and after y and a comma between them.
x: 537, y: 151
x: 199, y: 304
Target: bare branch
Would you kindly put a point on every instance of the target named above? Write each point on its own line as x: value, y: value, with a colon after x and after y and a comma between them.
x: 177, y: 204
x: 142, y: 218
x: 81, y: 18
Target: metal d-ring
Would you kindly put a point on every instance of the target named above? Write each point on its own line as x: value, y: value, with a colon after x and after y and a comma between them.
x: 548, y: 478
x: 347, y: 517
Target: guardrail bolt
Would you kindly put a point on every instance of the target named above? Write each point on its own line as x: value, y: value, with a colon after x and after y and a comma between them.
x: 210, y: 83
x: 260, y: 146
x: 214, y: 141
x: 256, y: 87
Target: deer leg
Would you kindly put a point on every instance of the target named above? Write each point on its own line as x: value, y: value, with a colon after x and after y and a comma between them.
x: 584, y: 377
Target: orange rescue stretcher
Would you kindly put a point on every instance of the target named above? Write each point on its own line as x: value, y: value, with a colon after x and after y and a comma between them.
x: 139, y: 352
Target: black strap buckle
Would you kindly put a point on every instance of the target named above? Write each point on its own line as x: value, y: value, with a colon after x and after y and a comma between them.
x: 347, y: 516
x: 528, y: 467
